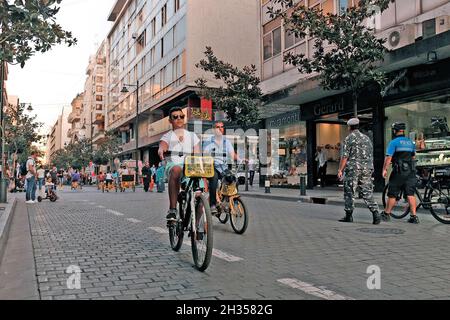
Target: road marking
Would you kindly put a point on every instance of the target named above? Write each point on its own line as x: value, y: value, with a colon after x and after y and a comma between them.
x: 216, y: 252
x: 159, y: 230
x: 115, y: 212
x: 92, y: 203
x: 312, y: 290
x: 134, y: 220
x: 101, y: 207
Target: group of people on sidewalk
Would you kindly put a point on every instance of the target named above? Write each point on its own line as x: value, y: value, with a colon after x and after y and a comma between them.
x: 356, y: 169
x: 152, y: 176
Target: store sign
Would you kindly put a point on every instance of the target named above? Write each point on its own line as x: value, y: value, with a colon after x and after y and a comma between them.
x: 198, y: 114
x: 284, y: 120
x: 328, y: 107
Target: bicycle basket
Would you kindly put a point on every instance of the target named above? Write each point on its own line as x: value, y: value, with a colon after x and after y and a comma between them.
x: 229, y: 189
x: 199, y: 167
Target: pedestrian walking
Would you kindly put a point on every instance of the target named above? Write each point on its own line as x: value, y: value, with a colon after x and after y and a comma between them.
x: 160, y: 178
x: 357, y: 161
x: 251, y: 170
x: 30, y: 177
x: 40, y: 178
x: 401, y: 153
x: 146, y: 175
x: 321, y: 158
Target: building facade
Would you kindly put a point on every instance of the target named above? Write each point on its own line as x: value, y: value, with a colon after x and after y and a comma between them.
x: 58, y: 138
x: 76, y: 131
x: 418, y: 90
x: 153, y: 49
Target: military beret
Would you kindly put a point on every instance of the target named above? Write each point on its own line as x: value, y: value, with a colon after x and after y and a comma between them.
x: 353, y: 122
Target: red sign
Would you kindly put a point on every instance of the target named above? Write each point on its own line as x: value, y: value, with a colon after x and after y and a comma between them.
x: 206, y: 106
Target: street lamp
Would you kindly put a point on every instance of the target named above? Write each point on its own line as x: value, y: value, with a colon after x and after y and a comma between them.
x: 136, y: 121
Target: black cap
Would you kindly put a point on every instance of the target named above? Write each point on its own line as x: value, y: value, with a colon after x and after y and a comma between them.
x: 397, y: 126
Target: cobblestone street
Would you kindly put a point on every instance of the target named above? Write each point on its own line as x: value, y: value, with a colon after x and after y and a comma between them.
x: 290, y: 251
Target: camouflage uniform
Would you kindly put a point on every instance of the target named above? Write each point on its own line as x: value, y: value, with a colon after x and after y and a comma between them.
x: 358, y: 150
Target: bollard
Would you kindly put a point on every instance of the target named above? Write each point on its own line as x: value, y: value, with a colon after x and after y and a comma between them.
x: 267, y: 185
x: 3, y: 190
x: 302, y: 185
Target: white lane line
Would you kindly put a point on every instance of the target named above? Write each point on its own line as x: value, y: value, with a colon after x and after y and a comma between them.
x: 101, y: 207
x: 216, y: 252
x: 115, y: 212
x: 92, y: 203
x: 134, y: 220
x: 312, y: 290
x: 159, y: 230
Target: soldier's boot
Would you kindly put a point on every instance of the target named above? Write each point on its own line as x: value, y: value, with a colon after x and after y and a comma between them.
x: 348, y: 217
x: 376, y: 217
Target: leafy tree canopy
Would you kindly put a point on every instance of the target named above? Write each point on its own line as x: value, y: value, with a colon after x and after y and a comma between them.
x: 29, y: 26
x: 240, y: 95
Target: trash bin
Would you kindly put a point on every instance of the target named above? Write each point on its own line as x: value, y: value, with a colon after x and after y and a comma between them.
x: 3, y: 190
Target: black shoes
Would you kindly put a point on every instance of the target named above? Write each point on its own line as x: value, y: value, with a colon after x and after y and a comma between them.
x: 376, y: 217
x: 348, y: 217
x: 385, y: 216
x: 413, y: 219
x: 172, y: 215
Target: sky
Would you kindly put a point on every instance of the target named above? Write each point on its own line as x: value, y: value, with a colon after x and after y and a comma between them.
x: 49, y: 81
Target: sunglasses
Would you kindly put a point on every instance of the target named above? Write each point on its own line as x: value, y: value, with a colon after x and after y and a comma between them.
x: 176, y: 117
x: 219, y: 127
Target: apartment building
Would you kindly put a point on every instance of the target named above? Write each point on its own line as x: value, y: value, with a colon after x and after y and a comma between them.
x: 418, y: 90
x: 153, y: 48
x: 76, y: 130
x: 94, y: 98
x: 58, y: 138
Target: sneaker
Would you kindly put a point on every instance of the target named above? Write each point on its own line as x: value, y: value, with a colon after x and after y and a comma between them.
x: 214, y: 210
x: 172, y: 215
x: 29, y: 201
x: 348, y: 217
x: 413, y: 219
x: 385, y: 216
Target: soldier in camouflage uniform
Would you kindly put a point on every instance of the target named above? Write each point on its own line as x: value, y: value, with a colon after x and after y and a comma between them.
x: 357, y: 160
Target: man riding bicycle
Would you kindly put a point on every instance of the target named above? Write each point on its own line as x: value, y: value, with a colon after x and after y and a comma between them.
x: 218, y: 146
x: 176, y: 140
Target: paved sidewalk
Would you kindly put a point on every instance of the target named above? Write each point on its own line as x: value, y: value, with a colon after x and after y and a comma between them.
x: 328, y: 195
x: 17, y: 268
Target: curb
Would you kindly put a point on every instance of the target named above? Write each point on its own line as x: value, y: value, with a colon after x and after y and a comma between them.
x: 5, y: 223
x: 303, y: 199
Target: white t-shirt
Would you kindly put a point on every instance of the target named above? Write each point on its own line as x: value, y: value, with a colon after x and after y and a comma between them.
x: 190, y: 140
x: 41, y: 173
x: 30, y: 163
x: 108, y: 176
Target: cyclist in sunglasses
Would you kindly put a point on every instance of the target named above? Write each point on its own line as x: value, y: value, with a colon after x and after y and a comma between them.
x: 176, y: 140
x: 218, y: 145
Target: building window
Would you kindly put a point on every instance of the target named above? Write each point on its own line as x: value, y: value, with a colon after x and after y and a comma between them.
x: 176, y: 5
x: 98, y: 98
x: 343, y: 6
x: 164, y: 15
x: 99, y: 107
x: 99, y: 88
x: 153, y: 27
x: 99, y: 79
x: 140, y: 43
x: 290, y: 39
x: 272, y: 43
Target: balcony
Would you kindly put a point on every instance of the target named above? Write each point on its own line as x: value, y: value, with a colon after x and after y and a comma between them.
x: 99, y: 137
x: 74, y: 116
x: 99, y: 119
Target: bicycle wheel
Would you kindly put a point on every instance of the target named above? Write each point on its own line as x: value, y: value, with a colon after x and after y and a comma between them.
x: 401, y: 208
x: 176, y: 233
x: 202, y: 239
x: 239, y: 216
x: 439, y: 203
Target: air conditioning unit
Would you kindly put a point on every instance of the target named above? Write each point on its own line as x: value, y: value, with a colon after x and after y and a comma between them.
x: 399, y: 36
x: 442, y: 24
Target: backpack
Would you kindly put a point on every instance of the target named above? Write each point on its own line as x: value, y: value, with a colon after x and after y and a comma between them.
x: 23, y: 168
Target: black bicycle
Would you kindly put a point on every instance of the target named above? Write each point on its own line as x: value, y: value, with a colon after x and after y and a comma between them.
x: 435, y: 198
x: 194, y: 212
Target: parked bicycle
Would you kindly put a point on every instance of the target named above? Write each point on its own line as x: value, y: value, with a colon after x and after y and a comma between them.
x: 193, y: 212
x: 435, y: 198
x: 230, y: 205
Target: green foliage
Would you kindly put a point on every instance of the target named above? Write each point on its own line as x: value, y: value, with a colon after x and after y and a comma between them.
x: 27, y: 27
x: 240, y: 96
x: 108, y: 149
x: 76, y: 155
x: 21, y: 130
x: 346, y: 50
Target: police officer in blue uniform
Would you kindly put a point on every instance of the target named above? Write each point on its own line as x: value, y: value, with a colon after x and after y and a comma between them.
x: 401, y: 153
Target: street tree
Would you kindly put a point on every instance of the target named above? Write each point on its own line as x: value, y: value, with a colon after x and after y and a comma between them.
x: 29, y: 26
x: 21, y: 131
x: 346, y: 51
x: 108, y: 149
x: 239, y: 93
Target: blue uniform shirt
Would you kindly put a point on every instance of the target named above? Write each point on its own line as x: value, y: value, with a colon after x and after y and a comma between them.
x: 401, y: 148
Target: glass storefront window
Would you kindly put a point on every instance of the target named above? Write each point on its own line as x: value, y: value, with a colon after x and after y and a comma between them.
x: 426, y: 122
